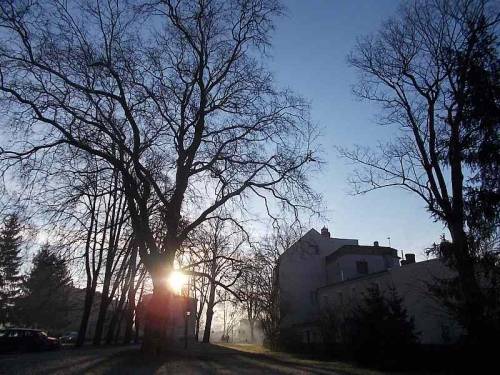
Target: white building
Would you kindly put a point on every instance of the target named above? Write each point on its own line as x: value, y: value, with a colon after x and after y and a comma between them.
x: 319, y: 271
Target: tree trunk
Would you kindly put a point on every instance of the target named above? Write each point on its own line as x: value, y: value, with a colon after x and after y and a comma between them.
x: 114, y: 233
x: 136, y: 320
x: 136, y: 329
x: 463, y: 254
x: 91, y: 278
x: 101, y: 318
x: 116, y: 318
x: 251, y: 322
x: 129, y: 318
x: 469, y: 285
x: 157, y: 319
x: 111, y: 328
x: 87, y: 308
x: 118, y: 328
x: 210, y: 314
x: 197, y: 328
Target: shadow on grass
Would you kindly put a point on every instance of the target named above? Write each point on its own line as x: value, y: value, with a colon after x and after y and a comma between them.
x: 202, y: 359
x: 198, y: 359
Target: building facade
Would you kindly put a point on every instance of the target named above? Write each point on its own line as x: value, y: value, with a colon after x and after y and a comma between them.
x: 319, y: 272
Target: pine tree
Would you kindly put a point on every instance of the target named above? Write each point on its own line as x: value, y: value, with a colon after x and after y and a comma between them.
x: 380, y: 330
x: 46, y: 290
x: 10, y: 264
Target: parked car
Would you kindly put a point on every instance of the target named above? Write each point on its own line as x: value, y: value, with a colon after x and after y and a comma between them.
x: 25, y: 339
x: 69, y: 338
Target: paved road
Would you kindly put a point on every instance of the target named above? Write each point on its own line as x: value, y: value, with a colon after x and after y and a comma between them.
x: 200, y: 359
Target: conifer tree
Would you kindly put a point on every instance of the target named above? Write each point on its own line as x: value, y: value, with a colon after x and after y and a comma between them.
x: 380, y: 329
x: 10, y: 264
x: 45, y: 302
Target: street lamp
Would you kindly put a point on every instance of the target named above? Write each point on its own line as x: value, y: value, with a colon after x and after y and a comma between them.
x: 186, y: 317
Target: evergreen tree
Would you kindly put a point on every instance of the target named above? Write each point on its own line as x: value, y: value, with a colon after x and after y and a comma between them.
x: 379, y: 329
x: 10, y: 264
x: 45, y: 302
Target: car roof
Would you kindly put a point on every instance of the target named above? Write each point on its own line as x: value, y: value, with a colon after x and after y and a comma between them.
x: 23, y: 329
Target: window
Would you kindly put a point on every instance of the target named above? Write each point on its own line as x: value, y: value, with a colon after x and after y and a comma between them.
x: 13, y: 334
x: 362, y: 267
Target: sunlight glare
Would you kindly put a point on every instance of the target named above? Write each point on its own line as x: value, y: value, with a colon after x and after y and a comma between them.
x: 176, y: 281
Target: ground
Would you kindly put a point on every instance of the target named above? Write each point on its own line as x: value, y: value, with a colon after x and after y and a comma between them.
x: 198, y: 359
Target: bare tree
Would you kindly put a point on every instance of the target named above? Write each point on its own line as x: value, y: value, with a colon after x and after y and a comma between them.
x: 419, y: 67
x: 183, y: 109
x: 250, y: 291
x: 199, y: 284
x: 218, y: 247
x: 230, y: 316
x: 271, y: 311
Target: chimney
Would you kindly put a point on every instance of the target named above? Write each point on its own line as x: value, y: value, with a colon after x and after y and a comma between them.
x: 325, y: 232
x: 410, y: 258
x: 375, y: 244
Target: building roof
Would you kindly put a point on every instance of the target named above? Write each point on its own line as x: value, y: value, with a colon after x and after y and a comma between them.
x: 362, y: 250
x: 319, y: 240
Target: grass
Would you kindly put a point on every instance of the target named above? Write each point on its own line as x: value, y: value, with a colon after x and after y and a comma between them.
x: 338, y: 366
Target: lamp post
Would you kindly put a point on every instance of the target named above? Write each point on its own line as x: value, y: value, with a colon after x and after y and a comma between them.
x: 188, y: 313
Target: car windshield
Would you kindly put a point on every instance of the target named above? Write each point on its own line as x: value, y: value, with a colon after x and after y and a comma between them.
x: 42, y: 333
x: 2, y: 333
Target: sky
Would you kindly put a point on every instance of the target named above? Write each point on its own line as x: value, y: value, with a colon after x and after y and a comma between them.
x: 310, y: 48
x: 309, y: 55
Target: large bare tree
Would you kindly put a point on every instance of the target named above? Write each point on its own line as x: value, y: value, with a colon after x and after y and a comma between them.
x: 423, y: 67
x: 173, y: 95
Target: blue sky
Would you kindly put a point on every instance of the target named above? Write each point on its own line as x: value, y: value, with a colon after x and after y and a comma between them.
x: 309, y: 52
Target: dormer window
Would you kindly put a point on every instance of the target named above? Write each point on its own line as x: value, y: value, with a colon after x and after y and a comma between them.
x: 362, y: 267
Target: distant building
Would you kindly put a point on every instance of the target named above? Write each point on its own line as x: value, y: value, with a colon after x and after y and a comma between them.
x: 319, y: 272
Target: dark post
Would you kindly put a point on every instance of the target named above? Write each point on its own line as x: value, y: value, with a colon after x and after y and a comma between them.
x: 186, y: 329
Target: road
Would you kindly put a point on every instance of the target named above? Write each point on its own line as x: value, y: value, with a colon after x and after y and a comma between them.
x: 198, y: 359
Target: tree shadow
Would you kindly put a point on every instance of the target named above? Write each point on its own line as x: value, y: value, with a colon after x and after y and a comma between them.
x: 197, y: 359
x: 202, y: 359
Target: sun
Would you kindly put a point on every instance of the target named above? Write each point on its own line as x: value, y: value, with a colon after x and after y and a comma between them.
x: 176, y: 281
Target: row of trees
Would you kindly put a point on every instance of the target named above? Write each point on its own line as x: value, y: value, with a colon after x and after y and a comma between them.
x: 238, y: 273
x: 169, y: 103
x: 224, y: 269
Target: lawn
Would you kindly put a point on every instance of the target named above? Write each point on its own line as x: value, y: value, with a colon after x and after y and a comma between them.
x: 198, y: 359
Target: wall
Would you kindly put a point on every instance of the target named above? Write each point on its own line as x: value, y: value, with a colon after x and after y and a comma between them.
x: 431, y: 319
x: 302, y: 271
x: 344, y: 268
